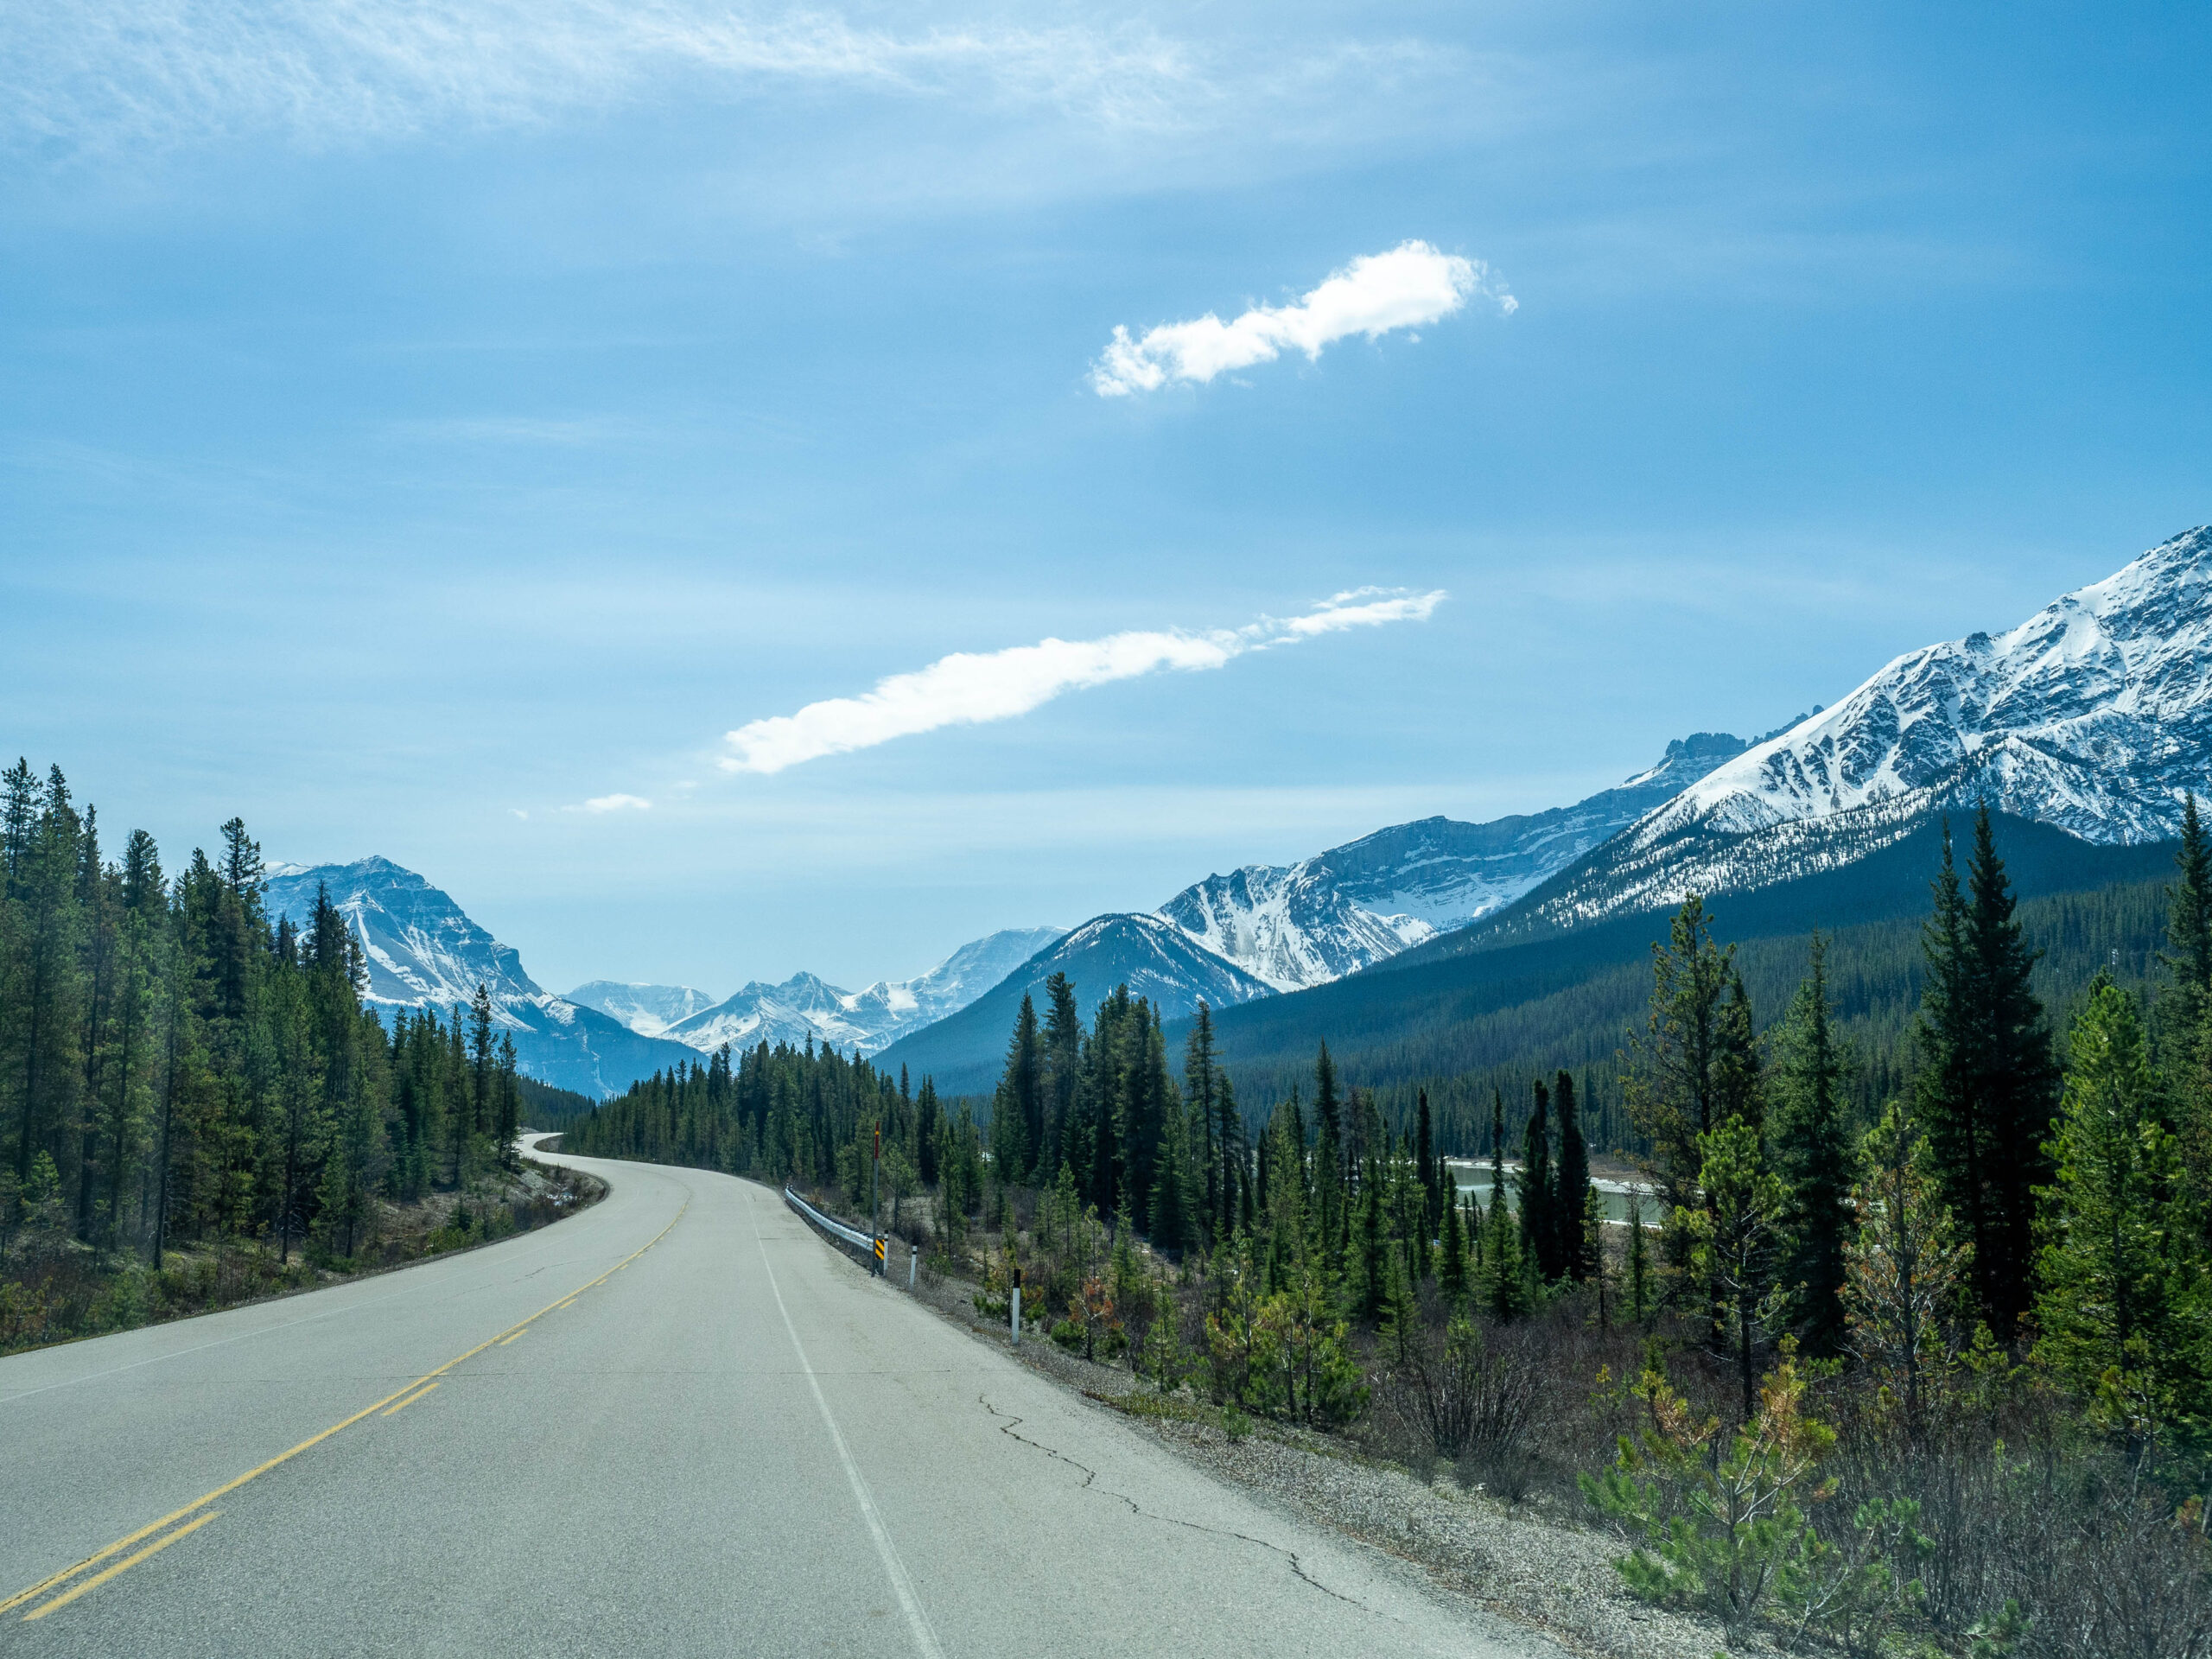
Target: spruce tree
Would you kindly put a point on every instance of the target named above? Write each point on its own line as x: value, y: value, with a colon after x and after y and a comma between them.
x: 2188, y: 955
x: 1538, y: 1198
x: 2124, y: 1296
x: 2183, y: 1014
x: 1988, y: 1080
x: 1063, y: 1070
x: 1200, y: 1080
x: 1173, y: 1210
x: 1017, y: 1108
x: 1817, y: 1163
x: 1329, y: 1172
x: 1503, y: 1275
x: 1425, y: 1160
x: 1575, y: 1246
x: 1452, y: 1260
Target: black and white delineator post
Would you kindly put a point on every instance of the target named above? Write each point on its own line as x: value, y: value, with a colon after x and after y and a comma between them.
x: 1017, y: 1308
x: 914, y: 1258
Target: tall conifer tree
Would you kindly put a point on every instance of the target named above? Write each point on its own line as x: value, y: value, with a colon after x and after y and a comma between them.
x: 1816, y: 1161
x: 1575, y: 1246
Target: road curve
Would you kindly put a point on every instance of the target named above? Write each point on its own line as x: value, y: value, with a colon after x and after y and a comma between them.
x: 676, y: 1423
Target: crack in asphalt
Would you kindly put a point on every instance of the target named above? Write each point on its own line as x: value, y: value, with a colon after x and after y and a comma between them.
x: 1008, y: 1425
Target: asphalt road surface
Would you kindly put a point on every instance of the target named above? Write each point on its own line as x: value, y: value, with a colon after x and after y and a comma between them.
x: 676, y: 1423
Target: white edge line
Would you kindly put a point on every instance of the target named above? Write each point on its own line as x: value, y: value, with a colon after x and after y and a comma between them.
x: 917, y: 1621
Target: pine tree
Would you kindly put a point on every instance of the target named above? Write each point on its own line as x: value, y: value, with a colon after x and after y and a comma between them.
x: 1906, y: 1271
x: 1737, y: 1229
x: 1816, y: 1161
x: 1575, y: 1248
x: 1675, y: 1088
x: 2125, y: 1295
x: 1639, y: 1259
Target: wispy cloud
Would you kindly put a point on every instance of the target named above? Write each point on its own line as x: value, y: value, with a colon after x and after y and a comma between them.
x: 968, y: 688
x: 613, y: 804
x: 115, y: 73
x: 1412, y: 285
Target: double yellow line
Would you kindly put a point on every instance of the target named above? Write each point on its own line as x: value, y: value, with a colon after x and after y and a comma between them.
x: 406, y: 1396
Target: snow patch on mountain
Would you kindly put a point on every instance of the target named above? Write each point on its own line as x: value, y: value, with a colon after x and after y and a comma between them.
x: 805, y: 1007
x: 423, y: 952
x: 649, y: 1010
x: 2094, y: 715
x: 1338, y: 912
x: 422, y: 949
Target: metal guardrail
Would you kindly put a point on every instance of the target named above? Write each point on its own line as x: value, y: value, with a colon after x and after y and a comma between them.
x: 859, y: 1241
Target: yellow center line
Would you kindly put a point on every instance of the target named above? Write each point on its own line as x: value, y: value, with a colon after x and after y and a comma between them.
x: 123, y: 1566
x: 504, y: 1341
x: 174, y: 1516
x: 412, y: 1398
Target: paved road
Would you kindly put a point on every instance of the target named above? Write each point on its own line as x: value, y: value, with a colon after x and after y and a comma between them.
x: 677, y: 1423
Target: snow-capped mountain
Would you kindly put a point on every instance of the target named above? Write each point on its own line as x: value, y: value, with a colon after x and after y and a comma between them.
x: 805, y: 1007
x: 2094, y: 715
x: 422, y: 949
x: 1153, y: 957
x: 649, y: 1010
x: 424, y: 952
x: 1352, y: 907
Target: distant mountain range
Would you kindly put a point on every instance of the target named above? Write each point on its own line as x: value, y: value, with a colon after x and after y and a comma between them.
x: 425, y: 951
x: 2082, y: 726
x: 805, y: 1007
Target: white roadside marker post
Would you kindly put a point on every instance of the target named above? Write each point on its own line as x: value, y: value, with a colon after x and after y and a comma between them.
x: 1017, y: 1308
x: 913, y: 1256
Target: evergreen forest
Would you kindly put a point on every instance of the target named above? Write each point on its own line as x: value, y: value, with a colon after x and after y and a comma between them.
x: 195, y: 1106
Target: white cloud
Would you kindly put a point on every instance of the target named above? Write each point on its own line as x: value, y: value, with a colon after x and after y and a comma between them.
x: 613, y: 804
x: 1411, y: 285
x: 968, y: 688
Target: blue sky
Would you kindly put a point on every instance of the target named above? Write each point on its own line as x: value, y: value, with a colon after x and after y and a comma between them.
x: 418, y: 420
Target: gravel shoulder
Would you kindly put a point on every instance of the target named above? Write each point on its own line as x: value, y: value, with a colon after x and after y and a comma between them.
x: 1543, y: 1571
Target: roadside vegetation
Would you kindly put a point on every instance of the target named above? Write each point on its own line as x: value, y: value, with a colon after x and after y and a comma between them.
x: 1926, y: 1376
x: 195, y: 1108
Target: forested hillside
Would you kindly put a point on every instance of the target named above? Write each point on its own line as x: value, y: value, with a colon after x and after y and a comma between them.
x: 195, y: 1105
x: 1465, y: 1023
